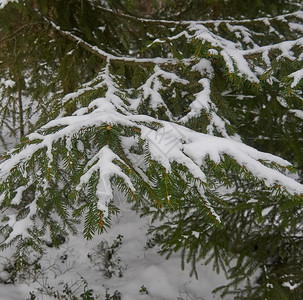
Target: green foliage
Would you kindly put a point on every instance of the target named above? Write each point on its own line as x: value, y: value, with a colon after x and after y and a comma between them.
x: 123, y: 102
x: 106, y: 258
x: 116, y: 296
x: 69, y: 292
x: 143, y: 290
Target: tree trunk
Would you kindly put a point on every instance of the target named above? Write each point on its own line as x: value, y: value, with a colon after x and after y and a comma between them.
x: 21, y: 121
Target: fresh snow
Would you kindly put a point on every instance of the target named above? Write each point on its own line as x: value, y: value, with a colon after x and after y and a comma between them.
x: 169, y: 143
x: 106, y: 170
x: 297, y: 76
x: 298, y: 113
x: 140, y: 265
x: 4, y: 2
x: 9, y: 83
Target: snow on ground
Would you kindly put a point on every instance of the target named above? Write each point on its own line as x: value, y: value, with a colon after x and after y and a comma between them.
x: 142, y: 268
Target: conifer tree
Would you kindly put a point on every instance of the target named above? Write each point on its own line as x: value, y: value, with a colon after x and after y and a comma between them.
x: 192, y: 110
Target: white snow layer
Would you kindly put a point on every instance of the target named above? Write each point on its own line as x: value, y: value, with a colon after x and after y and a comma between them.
x: 4, y: 2
x: 169, y: 143
x: 141, y: 266
x: 297, y: 76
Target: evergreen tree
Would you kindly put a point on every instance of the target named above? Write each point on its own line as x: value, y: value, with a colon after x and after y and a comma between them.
x: 170, y: 103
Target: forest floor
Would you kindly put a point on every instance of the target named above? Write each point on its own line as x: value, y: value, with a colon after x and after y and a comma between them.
x: 121, y: 264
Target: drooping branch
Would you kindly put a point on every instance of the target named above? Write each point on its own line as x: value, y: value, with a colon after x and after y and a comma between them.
x: 185, y: 23
x: 107, y: 56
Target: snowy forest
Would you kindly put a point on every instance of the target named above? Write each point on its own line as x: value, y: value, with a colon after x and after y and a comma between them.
x: 151, y: 149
